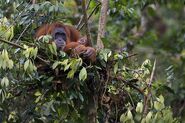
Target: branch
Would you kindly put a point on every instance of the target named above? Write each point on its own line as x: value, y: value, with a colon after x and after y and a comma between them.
x: 130, y: 83
x: 102, y: 23
x: 86, y: 22
x: 152, y: 74
x: 82, y: 17
x: 149, y: 94
x: 95, y: 8
x: 23, y: 32
x: 33, y: 1
x: 131, y: 55
x: 21, y: 47
x: 13, y: 44
x: 88, y: 4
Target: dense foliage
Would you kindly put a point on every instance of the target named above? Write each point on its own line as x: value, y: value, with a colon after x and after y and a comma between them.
x: 138, y: 77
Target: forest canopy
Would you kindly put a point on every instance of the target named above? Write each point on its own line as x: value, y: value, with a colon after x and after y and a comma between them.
x: 120, y: 61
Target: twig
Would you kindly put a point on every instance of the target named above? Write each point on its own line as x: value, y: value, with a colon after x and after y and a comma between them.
x: 136, y: 88
x: 130, y: 83
x: 82, y: 17
x: 131, y: 55
x: 13, y: 44
x: 19, y: 46
x: 23, y: 32
x: 152, y: 74
x: 88, y: 4
x: 95, y: 8
x: 41, y: 59
x: 131, y: 99
x: 149, y: 94
x: 86, y: 22
x: 80, y: 22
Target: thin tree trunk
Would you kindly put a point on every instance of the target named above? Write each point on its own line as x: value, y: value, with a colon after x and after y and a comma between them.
x: 92, y: 104
x: 33, y: 1
x: 92, y: 108
x: 86, y: 22
x: 102, y: 24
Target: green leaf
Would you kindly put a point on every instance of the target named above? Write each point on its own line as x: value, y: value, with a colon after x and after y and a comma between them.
x: 36, y: 7
x: 5, y: 82
x: 109, y: 54
x: 32, y: 67
x: 146, y: 64
x: 64, y: 62
x: 26, y: 53
x: 6, y: 29
x: 122, y: 118
x: 129, y: 115
x: 2, y: 94
x: 76, y: 63
x: 34, y: 52
x: 143, y: 120
x: 51, y: 48
x: 63, y: 110
x: 148, y: 117
x: 37, y: 99
x: 50, y: 79
x: 158, y: 105
x: 81, y: 97
x: 45, y: 38
x: 55, y: 64
x: 51, y: 8
x: 26, y: 64
x: 105, y: 54
x: 71, y: 73
x: 5, y: 55
x: 139, y: 107
x: 37, y: 93
x: 105, y: 57
x: 10, y: 64
x: 54, y: 48
x: 116, y: 67
x: 11, y: 33
x: 161, y: 99
x: 1, y: 61
x: 66, y: 67
x: 83, y: 74
x: 4, y: 64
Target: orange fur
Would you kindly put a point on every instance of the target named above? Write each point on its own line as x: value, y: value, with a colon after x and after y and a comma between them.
x: 73, y: 36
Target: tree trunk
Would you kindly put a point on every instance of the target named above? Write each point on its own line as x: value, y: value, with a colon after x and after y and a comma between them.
x: 92, y: 108
x: 102, y: 24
